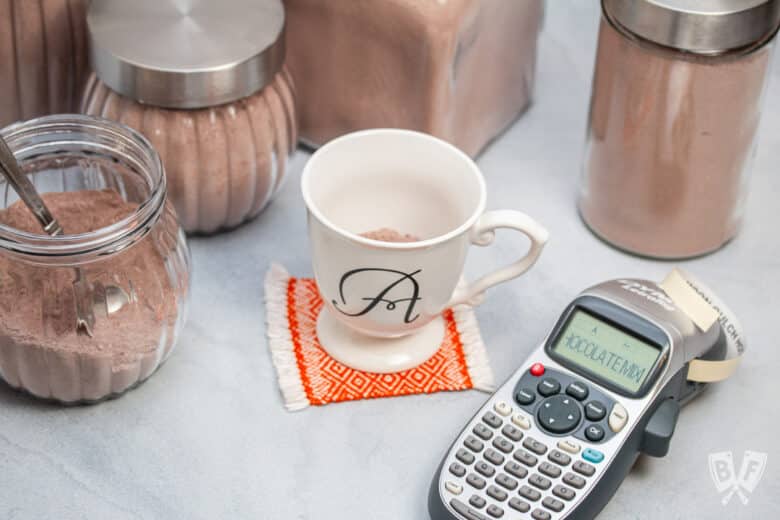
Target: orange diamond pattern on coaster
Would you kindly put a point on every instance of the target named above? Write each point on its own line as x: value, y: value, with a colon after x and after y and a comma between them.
x: 325, y: 380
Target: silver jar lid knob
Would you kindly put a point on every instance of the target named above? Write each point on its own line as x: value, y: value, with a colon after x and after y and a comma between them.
x: 698, y: 26
x: 186, y: 53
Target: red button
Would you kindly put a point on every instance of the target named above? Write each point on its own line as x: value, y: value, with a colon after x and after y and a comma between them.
x: 537, y: 369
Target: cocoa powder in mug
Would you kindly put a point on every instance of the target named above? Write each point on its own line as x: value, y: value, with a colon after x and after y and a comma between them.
x: 41, y: 349
x: 389, y: 235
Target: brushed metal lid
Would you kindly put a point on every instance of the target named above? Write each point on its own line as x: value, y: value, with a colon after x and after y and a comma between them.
x: 699, y: 26
x: 186, y: 53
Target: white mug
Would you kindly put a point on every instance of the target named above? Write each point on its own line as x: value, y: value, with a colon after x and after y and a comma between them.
x: 415, y: 184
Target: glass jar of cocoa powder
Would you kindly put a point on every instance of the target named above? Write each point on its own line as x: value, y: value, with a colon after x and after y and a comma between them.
x: 206, y: 83
x: 462, y: 70
x: 675, y: 108
x: 89, y: 314
x: 44, y: 59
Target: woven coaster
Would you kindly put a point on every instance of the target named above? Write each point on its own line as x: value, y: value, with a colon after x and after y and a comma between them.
x: 309, y: 376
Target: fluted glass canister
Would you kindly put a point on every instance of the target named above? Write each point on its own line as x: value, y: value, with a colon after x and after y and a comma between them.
x: 88, y: 315
x: 224, y: 163
x: 223, y: 118
x: 675, y: 110
x: 44, y: 57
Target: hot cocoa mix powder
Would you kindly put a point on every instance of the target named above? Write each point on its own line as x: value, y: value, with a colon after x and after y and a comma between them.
x: 389, y: 235
x: 78, y: 212
x: 41, y: 349
x: 670, y: 141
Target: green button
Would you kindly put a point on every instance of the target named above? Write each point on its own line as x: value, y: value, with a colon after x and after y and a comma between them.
x: 592, y: 455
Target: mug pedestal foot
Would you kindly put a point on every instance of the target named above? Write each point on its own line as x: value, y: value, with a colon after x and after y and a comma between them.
x: 379, y: 355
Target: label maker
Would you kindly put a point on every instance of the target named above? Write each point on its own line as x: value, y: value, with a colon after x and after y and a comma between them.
x: 558, y: 438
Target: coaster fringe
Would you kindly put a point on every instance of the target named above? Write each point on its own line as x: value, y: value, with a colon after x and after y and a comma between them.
x: 280, y: 339
x: 474, y: 349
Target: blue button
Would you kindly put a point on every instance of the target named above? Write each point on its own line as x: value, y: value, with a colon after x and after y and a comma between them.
x: 592, y: 455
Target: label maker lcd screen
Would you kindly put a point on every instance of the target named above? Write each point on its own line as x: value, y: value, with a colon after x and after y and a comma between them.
x: 606, y: 351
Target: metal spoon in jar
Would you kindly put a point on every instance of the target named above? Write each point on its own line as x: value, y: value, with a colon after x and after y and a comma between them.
x: 113, y: 298
x: 26, y: 190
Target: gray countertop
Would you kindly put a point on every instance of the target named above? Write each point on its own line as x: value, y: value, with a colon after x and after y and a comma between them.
x: 207, y: 436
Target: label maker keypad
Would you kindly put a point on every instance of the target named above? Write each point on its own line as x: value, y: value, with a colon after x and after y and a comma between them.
x: 502, y: 471
x: 565, y: 405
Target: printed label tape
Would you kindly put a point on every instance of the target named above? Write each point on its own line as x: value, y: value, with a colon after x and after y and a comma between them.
x: 704, y: 308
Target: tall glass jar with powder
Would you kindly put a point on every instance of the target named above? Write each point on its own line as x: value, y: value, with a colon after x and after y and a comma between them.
x: 675, y: 108
x: 206, y: 83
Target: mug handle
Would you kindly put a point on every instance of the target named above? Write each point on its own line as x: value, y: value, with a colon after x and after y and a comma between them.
x: 483, y: 234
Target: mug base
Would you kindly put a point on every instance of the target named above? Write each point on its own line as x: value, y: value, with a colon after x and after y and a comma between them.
x: 378, y: 355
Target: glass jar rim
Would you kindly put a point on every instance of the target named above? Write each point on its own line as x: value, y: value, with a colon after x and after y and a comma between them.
x: 105, y: 240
